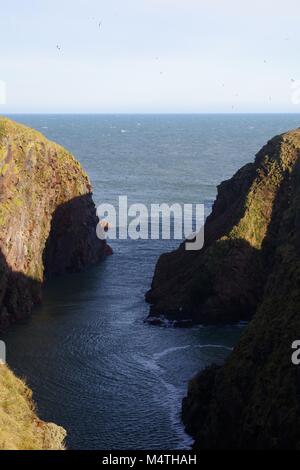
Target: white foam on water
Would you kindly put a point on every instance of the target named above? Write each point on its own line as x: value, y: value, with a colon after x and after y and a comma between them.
x: 174, y: 394
x: 171, y: 400
x: 167, y: 351
x: 148, y: 364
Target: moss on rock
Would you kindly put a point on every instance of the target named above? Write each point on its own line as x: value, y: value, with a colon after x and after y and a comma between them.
x: 38, y: 179
x: 240, y: 236
x: 253, y: 400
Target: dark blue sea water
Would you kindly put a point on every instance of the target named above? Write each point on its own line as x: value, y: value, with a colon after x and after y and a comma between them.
x: 113, y: 381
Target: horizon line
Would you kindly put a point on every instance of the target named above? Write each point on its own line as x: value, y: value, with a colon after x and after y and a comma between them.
x: 120, y: 113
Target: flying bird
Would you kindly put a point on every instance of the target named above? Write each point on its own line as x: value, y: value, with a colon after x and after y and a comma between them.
x: 58, y: 47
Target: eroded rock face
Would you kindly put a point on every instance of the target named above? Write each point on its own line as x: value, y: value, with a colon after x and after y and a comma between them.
x: 47, y: 218
x: 253, y: 400
x: 248, y: 269
x: 225, y: 281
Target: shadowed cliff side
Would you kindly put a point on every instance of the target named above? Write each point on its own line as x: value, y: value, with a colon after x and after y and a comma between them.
x: 47, y: 217
x: 253, y: 400
x: 47, y: 226
x: 224, y: 282
x: 248, y: 268
x: 72, y: 242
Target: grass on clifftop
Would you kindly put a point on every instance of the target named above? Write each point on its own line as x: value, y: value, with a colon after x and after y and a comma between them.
x: 20, y: 428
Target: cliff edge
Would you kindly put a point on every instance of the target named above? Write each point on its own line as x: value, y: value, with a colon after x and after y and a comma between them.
x: 47, y: 218
x: 225, y: 281
x: 249, y: 269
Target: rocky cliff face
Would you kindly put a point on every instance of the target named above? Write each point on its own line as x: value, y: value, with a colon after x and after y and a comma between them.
x: 225, y: 281
x: 47, y: 218
x: 249, y: 267
x: 20, y: 428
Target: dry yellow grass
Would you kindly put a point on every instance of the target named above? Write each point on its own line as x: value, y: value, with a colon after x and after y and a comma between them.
x: 20, y: 428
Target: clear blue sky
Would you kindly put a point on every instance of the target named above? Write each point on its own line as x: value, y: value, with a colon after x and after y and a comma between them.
x: 149, y: 55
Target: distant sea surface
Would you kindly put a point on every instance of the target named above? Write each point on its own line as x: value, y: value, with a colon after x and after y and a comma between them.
x: 113, y: 381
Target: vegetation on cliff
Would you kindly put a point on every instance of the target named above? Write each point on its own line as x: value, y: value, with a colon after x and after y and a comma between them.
x: 47, y: 226
x: 47, y: 217
x: 224, y: 282
x: 20, y: 428
x: 249, y: 268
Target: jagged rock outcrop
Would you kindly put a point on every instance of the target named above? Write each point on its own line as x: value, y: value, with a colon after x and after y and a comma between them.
x: 20, y: 428
x: 47, y: 218
x: 252, y: 261
x: 224, y: 282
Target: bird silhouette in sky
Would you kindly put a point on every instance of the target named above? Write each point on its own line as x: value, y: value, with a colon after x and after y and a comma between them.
x: 58, y: 47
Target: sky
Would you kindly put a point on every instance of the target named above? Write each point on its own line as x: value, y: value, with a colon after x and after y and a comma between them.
x: 149, y: 56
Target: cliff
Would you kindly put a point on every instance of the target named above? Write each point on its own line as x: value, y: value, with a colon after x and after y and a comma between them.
x: 20, y: 428
x: 47, y: 218
x: 225, y: 281
x: 249, y: 268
